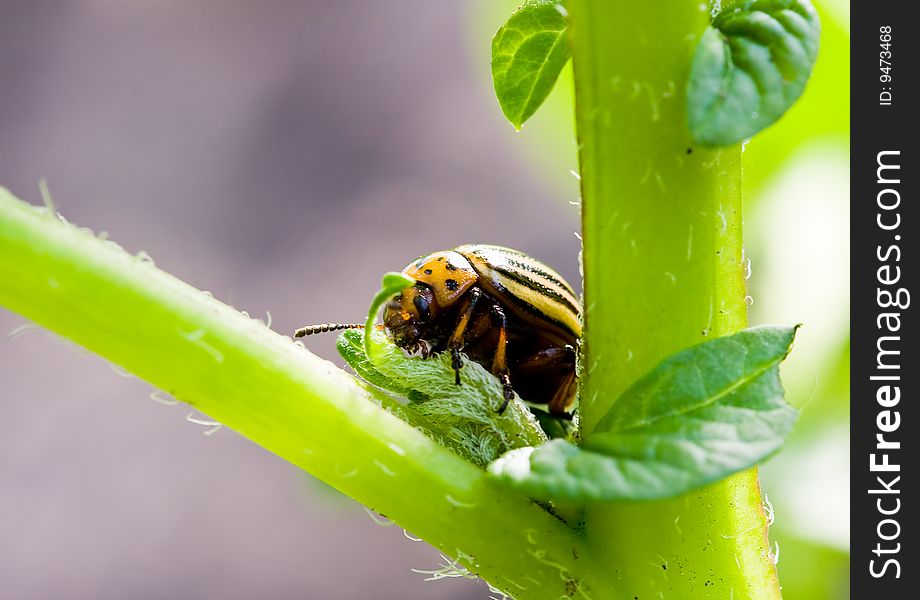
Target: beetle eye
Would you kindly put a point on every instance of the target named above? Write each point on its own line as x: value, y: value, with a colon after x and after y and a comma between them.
x: 421, y: 305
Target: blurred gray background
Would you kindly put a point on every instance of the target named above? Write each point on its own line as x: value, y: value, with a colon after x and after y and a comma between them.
x: 282, y: 155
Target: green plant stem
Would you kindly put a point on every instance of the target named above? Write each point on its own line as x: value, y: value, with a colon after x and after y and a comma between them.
x: 280, y: 396
x: 663, y: 270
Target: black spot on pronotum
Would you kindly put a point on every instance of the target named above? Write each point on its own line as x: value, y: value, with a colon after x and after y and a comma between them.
x: 451, y: 267
x: 428, y: 271
x: 451, y: 284
x: 440, y: 258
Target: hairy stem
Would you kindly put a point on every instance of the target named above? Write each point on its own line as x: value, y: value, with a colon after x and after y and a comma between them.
x: 280, y: 396
x: 663, y: 270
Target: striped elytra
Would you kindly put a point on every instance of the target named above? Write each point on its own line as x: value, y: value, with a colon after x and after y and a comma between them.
x: 534, y: 286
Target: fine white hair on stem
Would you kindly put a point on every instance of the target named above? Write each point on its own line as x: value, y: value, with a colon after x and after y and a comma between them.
x: 21, y: 330
x: 768, y: 510
x: 46, y: 195
x: 774, y: 553
x: 121, y: 371
x: 378, y: 519
x: 450, y: 569
x: 214, y: 425
x: 156, y: 397
x: 411, y: 537
x: 144, y: 258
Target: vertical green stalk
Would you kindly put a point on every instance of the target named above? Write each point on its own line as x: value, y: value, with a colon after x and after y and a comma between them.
x: 663, y: 270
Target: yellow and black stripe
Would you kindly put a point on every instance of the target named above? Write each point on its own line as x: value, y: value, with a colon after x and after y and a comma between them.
x: 533, y: 287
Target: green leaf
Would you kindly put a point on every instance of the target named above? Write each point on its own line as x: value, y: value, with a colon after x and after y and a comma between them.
x: 528, y: 53
x: 462, y: 417
x: 351, y: 347
x: 391, y: 284
x: 699, y: 376
x: 750, y: 66
x: 700, y: 415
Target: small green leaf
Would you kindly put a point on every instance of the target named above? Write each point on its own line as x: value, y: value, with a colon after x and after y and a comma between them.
x: 528, y: 54
x: 391, y: 284
x: 699, y: 376
x: 750, y: 66
x: 700, y: 415
x: 351, y: 347
x: 462, y: 417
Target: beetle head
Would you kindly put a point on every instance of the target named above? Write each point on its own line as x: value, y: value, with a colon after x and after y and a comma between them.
x: 408, y: 316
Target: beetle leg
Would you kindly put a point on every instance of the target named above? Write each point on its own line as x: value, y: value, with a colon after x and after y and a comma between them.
x: 563, y: 397
x: 559, y: 359
x: 456, y: 339
x: 547, y: 357
x: 499, y: 362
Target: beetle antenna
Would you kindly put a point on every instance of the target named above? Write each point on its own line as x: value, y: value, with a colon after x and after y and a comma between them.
x: 324, y: 327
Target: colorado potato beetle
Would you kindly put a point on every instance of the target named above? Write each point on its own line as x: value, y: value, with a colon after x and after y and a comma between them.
x: 505, y: 310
